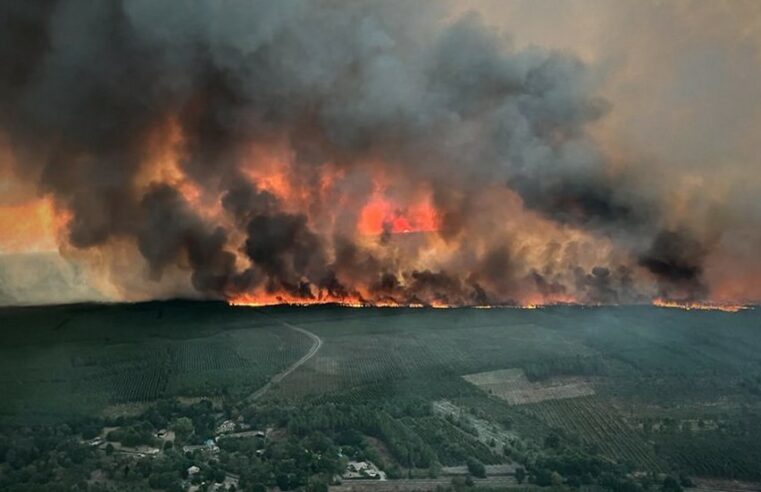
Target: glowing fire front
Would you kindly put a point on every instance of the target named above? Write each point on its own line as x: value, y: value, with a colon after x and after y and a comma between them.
x: 700, y: 306
x: 263, y: 300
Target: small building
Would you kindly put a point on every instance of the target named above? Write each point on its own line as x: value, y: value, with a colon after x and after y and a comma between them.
x: 193, y: 470
x: 357, y: 466
x: 225, y: 427
x: 96, y: 442
x: 363, y: 470
x: 210, y: 445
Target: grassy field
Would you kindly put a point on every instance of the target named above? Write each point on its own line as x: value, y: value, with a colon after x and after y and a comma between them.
x: 661, y: 387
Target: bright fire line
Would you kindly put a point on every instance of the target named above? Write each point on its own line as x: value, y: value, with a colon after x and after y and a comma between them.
x: 265, y: 300
x: 700, y: 306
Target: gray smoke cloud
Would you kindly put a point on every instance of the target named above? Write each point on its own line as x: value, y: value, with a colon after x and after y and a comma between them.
x: 448, y: 104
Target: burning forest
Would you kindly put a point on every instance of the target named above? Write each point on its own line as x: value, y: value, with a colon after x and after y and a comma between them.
x: 361, y: 153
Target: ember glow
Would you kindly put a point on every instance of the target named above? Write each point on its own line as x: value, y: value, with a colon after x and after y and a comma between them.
x: 289, y: 153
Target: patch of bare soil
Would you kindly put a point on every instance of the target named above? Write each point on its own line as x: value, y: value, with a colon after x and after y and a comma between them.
x: 512, y: 386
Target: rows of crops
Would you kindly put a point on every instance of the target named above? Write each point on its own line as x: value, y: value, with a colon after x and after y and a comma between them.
x: 130, y: 374
x: 269, y: 348
x: 107, y: 359
x: 403, y: 347
x: 363, y: 369
x: 139, y: 385
x: 714, y: 454
x: 596, y: 424
x: 206, y: 355
x: 232, y: 363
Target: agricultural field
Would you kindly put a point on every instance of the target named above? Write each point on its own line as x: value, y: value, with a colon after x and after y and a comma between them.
x: 80, y: 360
x: 512, y: 386
x: 644, y: 389
x: 598, y: 378
x: 598, y: 426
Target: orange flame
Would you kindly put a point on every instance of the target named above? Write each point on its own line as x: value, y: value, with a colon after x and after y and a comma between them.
x: 264, y: 299
x: 702, y: 306
x: 261, y: 299
x: 32, y: 226
x: 165, y: 145
x: 380, y: 214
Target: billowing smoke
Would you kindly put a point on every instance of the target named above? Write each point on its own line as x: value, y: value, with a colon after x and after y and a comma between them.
x: 676, y: 259
x: 324, y: 150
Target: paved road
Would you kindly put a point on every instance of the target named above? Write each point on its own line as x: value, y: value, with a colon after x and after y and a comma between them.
x: 316, y: 344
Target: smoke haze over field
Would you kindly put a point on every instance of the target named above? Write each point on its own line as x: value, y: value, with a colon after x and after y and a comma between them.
x: 389, y: 152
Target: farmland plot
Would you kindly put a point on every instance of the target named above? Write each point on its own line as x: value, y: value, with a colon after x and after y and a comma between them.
x: 107, y: 358
x: 597, y: 424
x: 512, y: 386
x: 418, y: 345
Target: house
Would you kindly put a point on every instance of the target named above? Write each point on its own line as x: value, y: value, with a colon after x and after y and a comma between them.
x: 193, y: 470
x: 357, y: 466
x: 225, y: 427
x: 363, y: 470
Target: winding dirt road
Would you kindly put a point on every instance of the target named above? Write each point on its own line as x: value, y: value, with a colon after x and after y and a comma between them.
x: 316, y: 344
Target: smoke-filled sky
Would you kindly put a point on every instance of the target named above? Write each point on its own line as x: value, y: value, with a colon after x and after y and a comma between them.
x: 394, y: 152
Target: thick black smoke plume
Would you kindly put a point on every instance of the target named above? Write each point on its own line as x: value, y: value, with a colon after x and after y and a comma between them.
x: 84, y: 85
